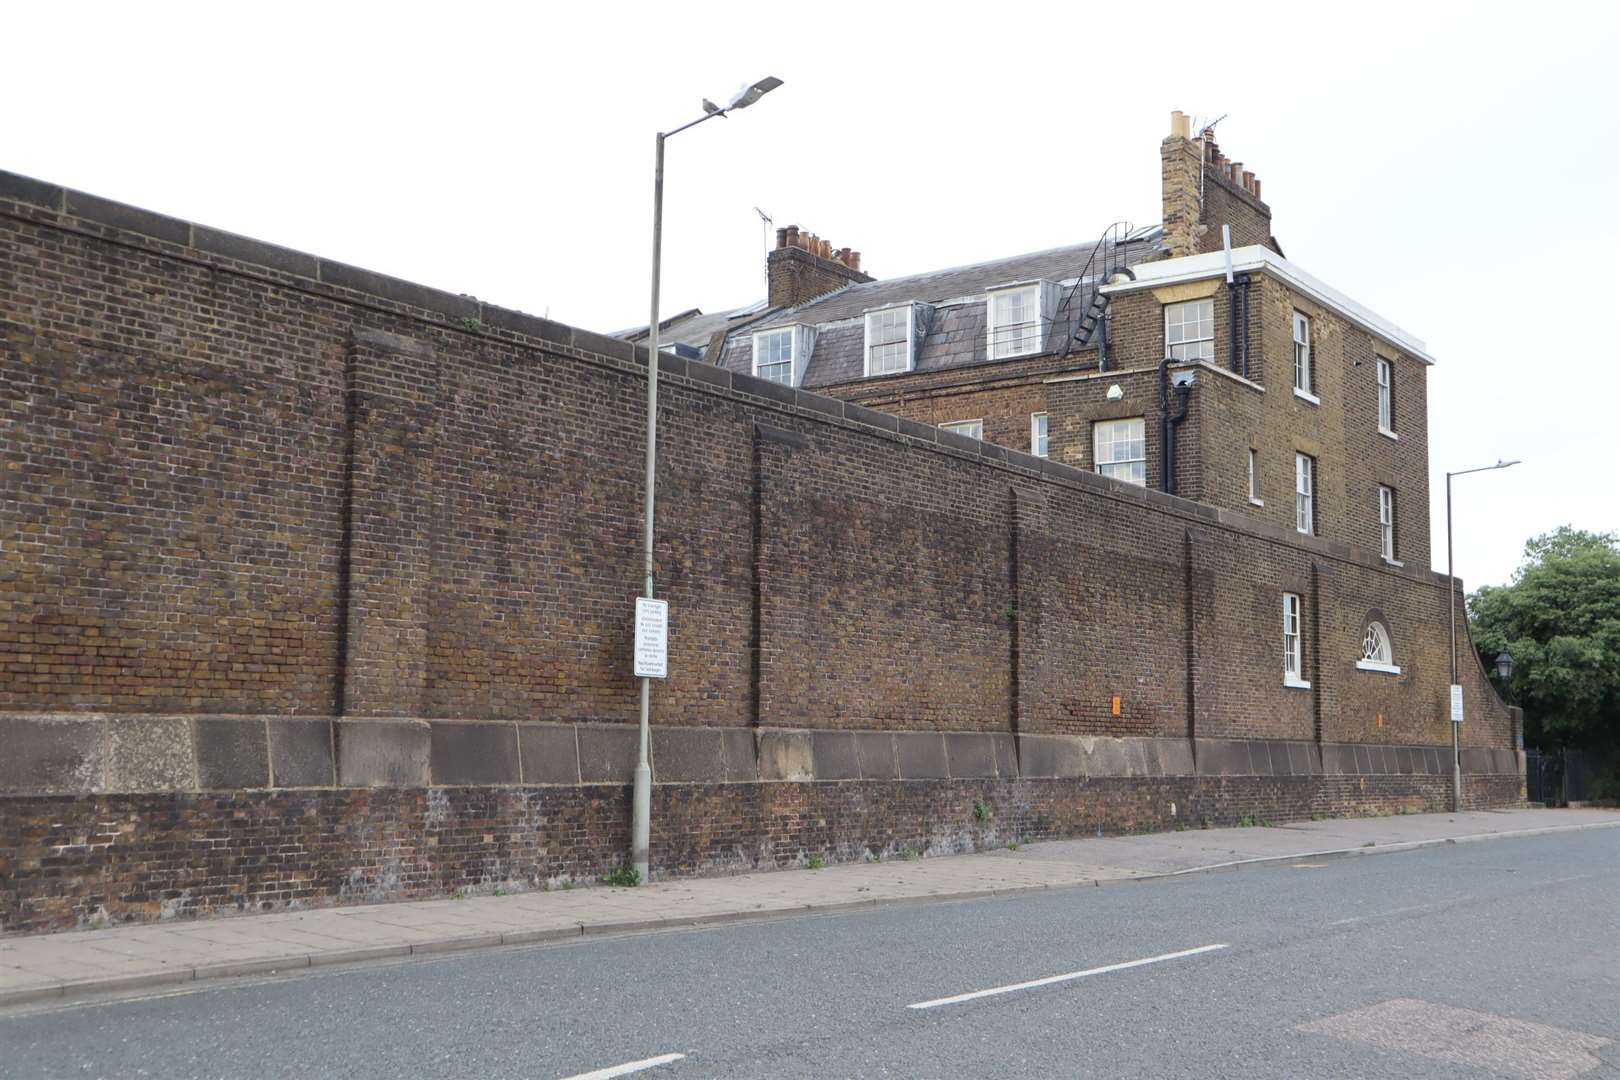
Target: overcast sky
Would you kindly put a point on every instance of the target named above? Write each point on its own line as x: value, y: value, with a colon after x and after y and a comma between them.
x: 1456, y: 168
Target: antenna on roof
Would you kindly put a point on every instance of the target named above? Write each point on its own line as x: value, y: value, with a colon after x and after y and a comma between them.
x: 1203, y: 152
x: 765, y: 224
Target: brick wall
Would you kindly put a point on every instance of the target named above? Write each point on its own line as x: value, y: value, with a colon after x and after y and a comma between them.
x: 1003, y: 394
x: 93, y: 860
x: 246, y: 485
x: 1230, y: 416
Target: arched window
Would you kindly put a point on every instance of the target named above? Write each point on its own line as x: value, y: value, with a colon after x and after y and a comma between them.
x: 1376, y: 651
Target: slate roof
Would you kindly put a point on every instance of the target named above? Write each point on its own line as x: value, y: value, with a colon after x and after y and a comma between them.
x: 954, y: 338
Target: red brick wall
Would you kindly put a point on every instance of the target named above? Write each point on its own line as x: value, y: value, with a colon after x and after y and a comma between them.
x: 91, y: 860
x: 1003, y: 395
x: 243, y: 480
x: 247, y: 490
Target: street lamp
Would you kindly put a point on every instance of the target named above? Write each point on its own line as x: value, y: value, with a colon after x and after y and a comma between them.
x: 641, y: 799
x: 1504, y: 667
x: 1451, y: 588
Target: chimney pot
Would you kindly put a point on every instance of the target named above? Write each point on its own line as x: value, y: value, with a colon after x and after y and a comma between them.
x: 1180, y: 124
x: 781, y: 238
x: 1248, y: 181
x: 1257, y: 187
x: 792, y: 232
x: 854, y: 260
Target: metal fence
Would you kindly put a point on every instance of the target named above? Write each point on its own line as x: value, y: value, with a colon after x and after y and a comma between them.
x: 1560, y: 777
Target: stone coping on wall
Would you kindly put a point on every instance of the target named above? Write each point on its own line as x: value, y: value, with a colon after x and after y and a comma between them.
x: 27, y: 199
x: 94, y: 753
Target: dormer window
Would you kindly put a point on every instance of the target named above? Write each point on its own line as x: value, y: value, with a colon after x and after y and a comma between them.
x: 889, y: 340
x: 1015, y: 324
x: 780, y: 355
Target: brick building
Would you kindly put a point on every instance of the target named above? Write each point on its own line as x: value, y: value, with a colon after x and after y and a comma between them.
x: 1280, y: 396
x: 316, y: 585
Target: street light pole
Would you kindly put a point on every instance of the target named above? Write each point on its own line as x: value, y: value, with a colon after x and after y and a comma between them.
x: 1451, y: 590
x: 641, y: 792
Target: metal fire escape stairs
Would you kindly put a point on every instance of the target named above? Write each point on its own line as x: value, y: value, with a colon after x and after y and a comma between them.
x: 1107, y: 260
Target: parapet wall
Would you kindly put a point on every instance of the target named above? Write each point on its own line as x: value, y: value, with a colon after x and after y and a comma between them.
x: 273, y: 522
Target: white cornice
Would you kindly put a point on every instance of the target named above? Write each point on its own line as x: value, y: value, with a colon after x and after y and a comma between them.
x: 1151, y: 275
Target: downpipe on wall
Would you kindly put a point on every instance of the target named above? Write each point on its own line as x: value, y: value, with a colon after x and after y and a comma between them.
x: 1168, y: 422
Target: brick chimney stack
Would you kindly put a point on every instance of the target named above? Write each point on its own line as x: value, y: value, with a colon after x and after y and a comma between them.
x: 1203, y: 190
x: 804, y: 266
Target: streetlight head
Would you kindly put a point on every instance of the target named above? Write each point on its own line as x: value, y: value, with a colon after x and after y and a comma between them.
x: 1504, y: 666
x: 1500, y: 464
x: 750, y: 94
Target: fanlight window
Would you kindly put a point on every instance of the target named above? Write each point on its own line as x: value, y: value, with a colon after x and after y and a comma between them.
x: 1375, y: 645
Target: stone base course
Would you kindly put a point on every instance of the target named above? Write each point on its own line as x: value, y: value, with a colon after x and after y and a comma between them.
x: 87, y: 753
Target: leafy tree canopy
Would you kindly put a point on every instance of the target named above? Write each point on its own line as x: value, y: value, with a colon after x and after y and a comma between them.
x: 1560, y: 621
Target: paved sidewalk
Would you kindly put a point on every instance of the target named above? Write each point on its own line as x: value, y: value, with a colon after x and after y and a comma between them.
x: 55, y: 966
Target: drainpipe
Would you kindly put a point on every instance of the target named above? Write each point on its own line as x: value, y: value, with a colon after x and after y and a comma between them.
x: 1169, y: 423
x: 1166, y: 466
x: 1231, y: 301
x: 1245, y: 282
x: 1232, y: 306
x: 1182, y: 393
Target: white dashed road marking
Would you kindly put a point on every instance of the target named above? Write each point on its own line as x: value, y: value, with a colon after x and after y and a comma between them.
x: 628, y: 1067
x: 1070, y: 976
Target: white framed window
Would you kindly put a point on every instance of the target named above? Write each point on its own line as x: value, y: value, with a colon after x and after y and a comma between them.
x: 773, y: 355
x: 973, y: 429
x: 1303, y: 381
x: 1189, y: 330
x: 1386, y: 522
x: 1305, y: 494
x: 1376, y: 652
x: 1254, y: 477
x: 1386, y: 396
x: 1014, y: 321
x: 889, y: 340
x: 1120, y: 449
x: 1037, y: 434
x: 1293, y: 643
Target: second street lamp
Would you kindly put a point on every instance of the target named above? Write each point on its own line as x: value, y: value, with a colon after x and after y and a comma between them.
x: 1451, y: 589
x: 641, y: 797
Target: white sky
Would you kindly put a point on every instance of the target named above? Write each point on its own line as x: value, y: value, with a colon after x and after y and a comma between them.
x: 1456, y: 168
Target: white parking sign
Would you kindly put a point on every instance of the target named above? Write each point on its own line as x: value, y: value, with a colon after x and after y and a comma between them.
x: 652, y: 638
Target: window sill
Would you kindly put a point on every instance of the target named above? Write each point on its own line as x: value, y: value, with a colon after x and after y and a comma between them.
x: 1393, y: 562
x: 1388, y: 434
x: 1305, y: 395
x: 1295, y: 684
x: 1303, y: 532
x: 1257, y: 502
x: 1386, y: 669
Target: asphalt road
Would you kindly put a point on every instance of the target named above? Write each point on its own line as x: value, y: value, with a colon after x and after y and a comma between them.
x: 1479, y: 960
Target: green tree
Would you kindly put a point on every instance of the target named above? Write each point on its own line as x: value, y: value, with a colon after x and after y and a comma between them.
x: 1560, y: 620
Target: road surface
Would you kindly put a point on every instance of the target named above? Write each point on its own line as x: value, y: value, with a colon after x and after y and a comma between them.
x: 1480, y: 960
